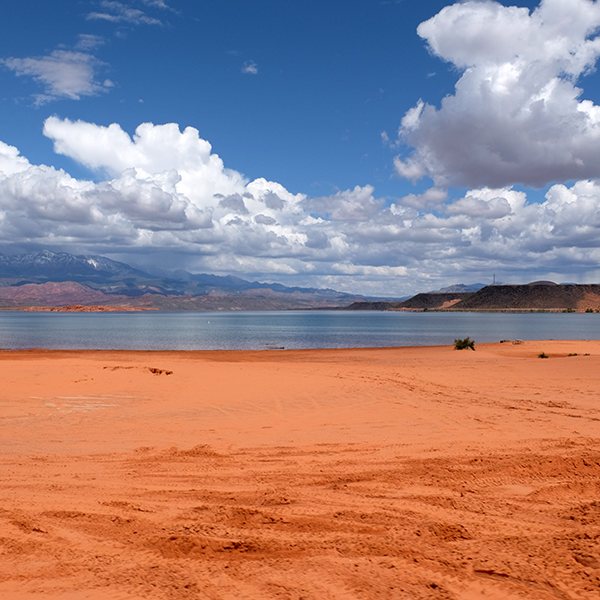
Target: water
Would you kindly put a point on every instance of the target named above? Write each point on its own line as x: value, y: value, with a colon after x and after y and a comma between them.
x: 296, y: 329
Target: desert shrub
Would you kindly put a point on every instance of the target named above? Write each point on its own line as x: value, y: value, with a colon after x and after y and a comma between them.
x: 589, y: 310
x: 462, y: 344
x: 572, y: 354
x: 542, y: 355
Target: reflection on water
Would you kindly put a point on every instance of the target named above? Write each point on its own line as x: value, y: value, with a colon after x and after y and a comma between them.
x: 274, y: 330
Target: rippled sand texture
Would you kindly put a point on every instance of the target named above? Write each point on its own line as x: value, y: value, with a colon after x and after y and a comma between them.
x: 409, y: 473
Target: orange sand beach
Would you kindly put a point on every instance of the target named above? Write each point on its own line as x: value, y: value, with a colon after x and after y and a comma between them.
x: 406, y: 473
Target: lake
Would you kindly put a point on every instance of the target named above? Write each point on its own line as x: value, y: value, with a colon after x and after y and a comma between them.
x: 290, y: 329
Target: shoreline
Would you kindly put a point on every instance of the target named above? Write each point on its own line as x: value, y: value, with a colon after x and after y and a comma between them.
x: 80, y: 308
x: 288, y: 352
x: 500, y: 343
x: 84, y: 308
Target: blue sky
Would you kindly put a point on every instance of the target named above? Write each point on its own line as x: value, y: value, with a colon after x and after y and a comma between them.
x: 374, y: 147
x: 331, y: 76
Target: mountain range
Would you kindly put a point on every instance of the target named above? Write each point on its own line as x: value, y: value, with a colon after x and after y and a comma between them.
x: 58, y: 278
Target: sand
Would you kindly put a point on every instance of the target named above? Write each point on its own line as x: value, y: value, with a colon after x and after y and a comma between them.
x: 408, y: 473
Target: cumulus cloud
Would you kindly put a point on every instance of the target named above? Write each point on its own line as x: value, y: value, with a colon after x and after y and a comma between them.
x: 164, y: 189
x: 348, y: 205
x: 11, y: 161
x: 517, y: 115
x: 152, y: 149
x: 431, y: 198
x: 471, y: 206
x: 63, y: 74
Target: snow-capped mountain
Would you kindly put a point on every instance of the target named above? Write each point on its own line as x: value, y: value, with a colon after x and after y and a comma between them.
x: 62, y: 266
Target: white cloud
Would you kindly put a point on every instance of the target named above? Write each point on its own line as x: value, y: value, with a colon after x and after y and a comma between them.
x: 410, y: 169
x: 516, y: 115
x: 156, y: 3
x: 496, y: 208
x: 348, y: 205
x: 165, y: 190
x: 117, y: 12
x: 63, y: 73
x: 87, y: 42
x: 11, y: 161
x: 250, y: 67
x: 429, y: 199
x: 153, y: 149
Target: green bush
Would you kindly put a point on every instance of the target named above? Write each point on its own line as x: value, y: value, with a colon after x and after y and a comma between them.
x: 462, y: 344
x: 542, y: 355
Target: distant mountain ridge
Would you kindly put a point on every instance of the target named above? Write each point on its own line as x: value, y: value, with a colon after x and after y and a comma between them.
x: 102, y: 280
x: 51, y: 265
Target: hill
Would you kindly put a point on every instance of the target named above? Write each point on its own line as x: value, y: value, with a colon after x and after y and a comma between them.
x: 430, y: 300
x: 543, y: 295
x: 538, y: 295
x: 435, y: 300
x: 378, y: 305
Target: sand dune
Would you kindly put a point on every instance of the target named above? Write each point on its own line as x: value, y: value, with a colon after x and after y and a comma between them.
x: 409, y: 473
